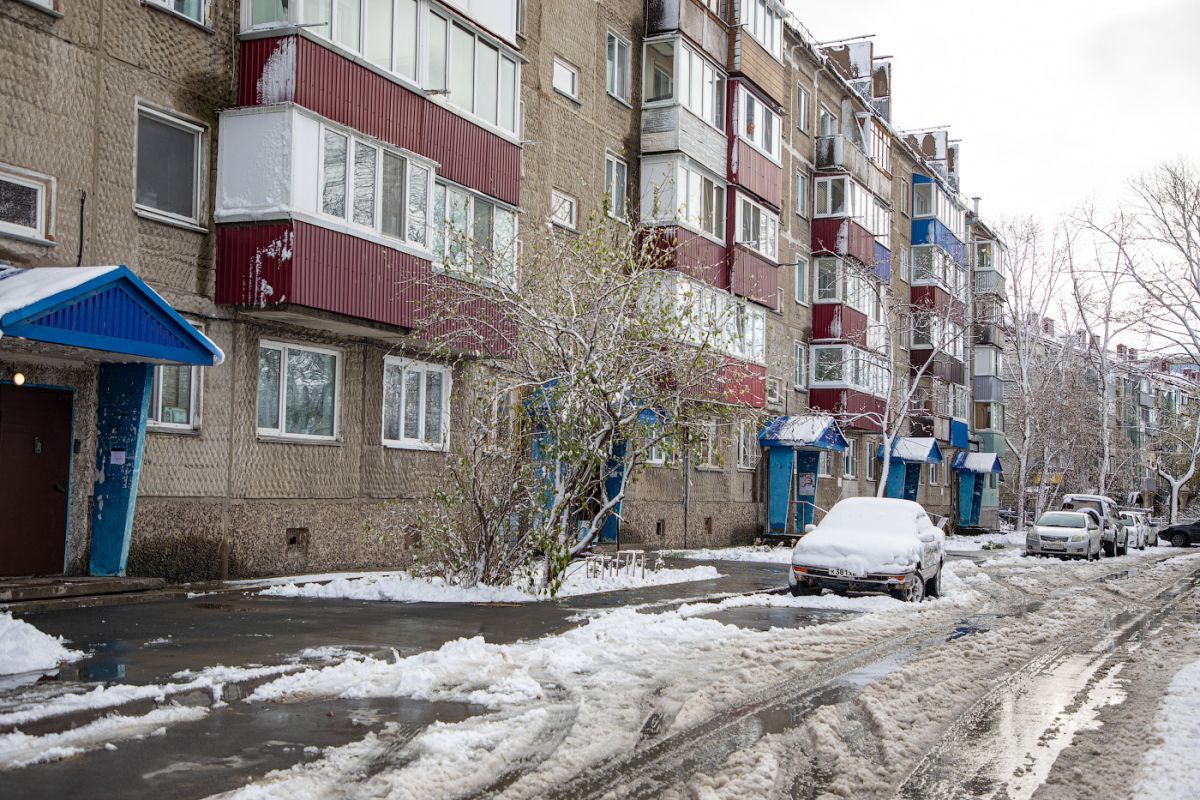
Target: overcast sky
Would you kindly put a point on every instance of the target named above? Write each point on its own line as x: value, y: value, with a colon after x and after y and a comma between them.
x: 1055, y: 101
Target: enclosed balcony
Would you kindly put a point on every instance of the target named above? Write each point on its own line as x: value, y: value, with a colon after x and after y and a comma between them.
x: 989, y: 282
x: 695, y: 19
x: 843, y: 236
x: 988, y: 389
x: 855, y: 409
x: 839, y: 153
x: 943, y: 366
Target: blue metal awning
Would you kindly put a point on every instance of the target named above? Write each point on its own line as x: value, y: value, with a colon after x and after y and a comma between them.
x: 912, y: 450
x: 819, y: 431
x: 106, y: 309
x: 980, y: 463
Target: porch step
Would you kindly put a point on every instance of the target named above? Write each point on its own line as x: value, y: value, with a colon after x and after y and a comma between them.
x: 17, y: 590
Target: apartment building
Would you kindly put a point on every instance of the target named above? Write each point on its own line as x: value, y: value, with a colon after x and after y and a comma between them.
x: 295, y: 196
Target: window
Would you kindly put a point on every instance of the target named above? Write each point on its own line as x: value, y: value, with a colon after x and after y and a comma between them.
x: 416, y: 404
x: 828, y: 122
x: 929, y: 200
x: 850, y: 459
x: 661, y: 452
x: 801, y: 280
x: 904, y: 191
x: 905, y: 269
x: 774, y: 392
x: 935, y: 474
x: 168, y: 181
x: 823, y: 468
x: 563, y: 209
x: 716, y: 319
x: 474, y: 235
x: 616, y: 173
x: 701, y: 87
x: 748, y: 449
x: 372, y: 187
x: 758, y: 124
x: 870, y: 457
x: 566, y: 79
x: 801, y: 377
x: 175, y: 397
x: 763, y: 22
x: 706, y: 444
x: 658, y: 72
x: 846, y: 366
x: 192, y: 9
x: 26, y: 203
x: 802, y: 193
x: 701, y: 201
x: 618, y: 67
x: 297, y: 390
x: 758, y: 228
x: 803, y: 108
x: 960, y: 402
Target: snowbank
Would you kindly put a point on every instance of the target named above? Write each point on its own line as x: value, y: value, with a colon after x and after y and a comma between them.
x: 970, y: 544
x: 400, y: 587
x: 758, y: 553
x: 23, y: 648
x: 1171, y: 770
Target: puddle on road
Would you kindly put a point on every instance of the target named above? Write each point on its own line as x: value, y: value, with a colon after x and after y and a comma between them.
x: 764, y: 618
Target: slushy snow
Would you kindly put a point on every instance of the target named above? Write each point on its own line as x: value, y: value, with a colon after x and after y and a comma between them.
x: 23, y: 648
x: 1172, y: 771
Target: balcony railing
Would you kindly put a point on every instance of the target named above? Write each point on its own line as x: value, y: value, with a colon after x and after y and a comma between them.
x: 988, y: 333
x: 989, y: 281
x: 841, y: 154
x: 988, y: 389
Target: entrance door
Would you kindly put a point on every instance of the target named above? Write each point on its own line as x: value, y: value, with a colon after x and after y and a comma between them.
x: 35, y: 478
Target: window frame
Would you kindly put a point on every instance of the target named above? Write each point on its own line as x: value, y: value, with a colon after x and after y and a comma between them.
x: 870, y: 461
x: 707, y: 442
x: 195, y: 389
x: 46, y: 187
x: 439, y: 229
x: 612, y: 49
x: 850, y: 459
x: 749, y: 453
x: 824, y: 113
x: 803, y: 109
x: 683, y: 196
x: 773, y: 149
x: 768, y: 218
x: 611, y: 158
x: 199, y: 136
x: 424, y: 368
x: 557, y: 199
x: 573, y: 71
x: 800, y: 279
x: 800, y: 369
x: 169, y: 7
x: 803, y: 194
x: 824, y: 468
x: 281, y: 432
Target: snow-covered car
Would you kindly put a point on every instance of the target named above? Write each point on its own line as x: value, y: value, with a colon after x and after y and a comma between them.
x: 867, y: 545
x: 1138, y: 530
x: 1065, y: 534
x: 1112, y: 531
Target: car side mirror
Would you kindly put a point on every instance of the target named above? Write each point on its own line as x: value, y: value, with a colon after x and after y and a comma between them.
x: 809, y: 528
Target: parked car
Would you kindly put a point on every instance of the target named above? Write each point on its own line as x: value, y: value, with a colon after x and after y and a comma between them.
x: 1138, y: 529
x: 1065, y: 534
x: 1112, y: 531
x: 870, y: 545
x: 1185, y: 534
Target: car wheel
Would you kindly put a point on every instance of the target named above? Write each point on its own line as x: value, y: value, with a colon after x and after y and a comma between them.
x: 1123, y: 550
x: 914, y: 592
x: 933, y: 586
x: 1179, y: 540
x: 1110, y: 549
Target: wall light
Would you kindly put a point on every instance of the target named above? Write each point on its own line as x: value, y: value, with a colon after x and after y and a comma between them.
x: 19, y: 378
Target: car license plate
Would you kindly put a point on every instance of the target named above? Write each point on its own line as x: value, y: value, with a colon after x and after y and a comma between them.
x: 1054, y: 546
x: 842, y: 573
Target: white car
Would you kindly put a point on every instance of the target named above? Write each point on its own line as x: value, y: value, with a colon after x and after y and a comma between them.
x: 1138, y: 527
x: 870, y: 545
x: 1065, y: 534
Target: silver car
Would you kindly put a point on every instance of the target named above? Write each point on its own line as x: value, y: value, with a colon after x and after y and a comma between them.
x: 1065, y: 534
x: 1138, y: 528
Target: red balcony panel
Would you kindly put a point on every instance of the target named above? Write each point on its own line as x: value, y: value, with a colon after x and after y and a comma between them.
x: 943, y: 366
x: 854, y: 409
x: 756, y: 173
x: 834, y: 321
x: 755, y: 277
x: 745, y: 384
x: 692, y: 254
x: 844, y: 237
x: 937, y: 299
x: 293, y: 263
x: 296, y: 69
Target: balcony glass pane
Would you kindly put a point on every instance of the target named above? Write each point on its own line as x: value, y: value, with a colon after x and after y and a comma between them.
x: 333, y: 189
x: 487, y: 60
x: 659, y: 72
x: 364, y: 184
x: 392, y: 196
x: 437, y: 52
x: 462, y: 68
x: 418, y: 202
x: 347, y: 23
x: 378, y: 48
x: 406, y: 39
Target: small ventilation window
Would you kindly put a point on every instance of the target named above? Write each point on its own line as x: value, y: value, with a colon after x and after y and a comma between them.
x: 26, y: 203
x: 660, y: 528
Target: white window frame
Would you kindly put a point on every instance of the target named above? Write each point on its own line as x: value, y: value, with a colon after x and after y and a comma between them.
x: 803, y: 109
x: 801, y: 376
x: 685, y: 173
x: 935, y: 474
x: 572, y: 71
x: 707, y: 440
x: 770, y: 145
x: 195, y: 381
x: 769, y: 226
x: 824, y: 469
x: 45, y: 186
x: 560, y: 200
x: 661, y: 453
x: 617, y: 195
x: 281, y: 432
x: 803, y: 194
x: 424, y: 368
x: 765, y: 26
x: 825, y: 114
x: 774, y: 391
x: 440, y: 239
x: 749, y: 452
x: 801, y: 276
x: 870, y: 459
x: 199, y: 137
x: 905, y: 197
x: 616, y: 73
x: 850, y: 459
x: 169, y: 7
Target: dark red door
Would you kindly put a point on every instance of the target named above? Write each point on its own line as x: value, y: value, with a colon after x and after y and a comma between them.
x: 35, y: 476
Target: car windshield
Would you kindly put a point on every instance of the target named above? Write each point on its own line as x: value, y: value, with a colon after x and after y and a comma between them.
x: 1060, y: 520
x: 1128, y: 519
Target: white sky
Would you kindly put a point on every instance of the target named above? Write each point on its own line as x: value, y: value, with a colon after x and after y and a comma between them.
x: 1055, y: 101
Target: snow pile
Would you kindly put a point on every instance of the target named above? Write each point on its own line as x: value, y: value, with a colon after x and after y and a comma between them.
x: 1171, y: 770
x: 969, y: 544
x: 23, y: 648
x: 823, y: 602
x: 758, y: 553
x: 20, y: 750
x: 401, y: 587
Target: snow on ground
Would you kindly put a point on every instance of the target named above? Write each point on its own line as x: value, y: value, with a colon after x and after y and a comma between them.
x: 1171, y: 770
x: 23, y: 648
x: 760, y: 553
x: 402, y: 587
x: 19, y: 750
x: 969, y: 544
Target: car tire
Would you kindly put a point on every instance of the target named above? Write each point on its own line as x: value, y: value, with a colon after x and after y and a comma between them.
x: 1121, y: 551
x: 933, y: 586
x: 1110, y: 550
x: 1180, y: 540
x: 915, y: 592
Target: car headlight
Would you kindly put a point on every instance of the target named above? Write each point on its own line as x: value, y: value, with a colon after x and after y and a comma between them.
x: 1078, y: 537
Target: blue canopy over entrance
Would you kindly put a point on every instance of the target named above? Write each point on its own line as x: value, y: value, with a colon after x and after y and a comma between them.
x: 907, y: 457
x: 794, y: 446
x: 971, y: 467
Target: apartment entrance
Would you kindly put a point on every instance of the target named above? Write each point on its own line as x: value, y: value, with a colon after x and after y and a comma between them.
x: 35, y: 479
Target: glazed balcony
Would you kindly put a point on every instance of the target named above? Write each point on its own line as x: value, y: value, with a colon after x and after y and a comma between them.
x: 990, y: 282
x: 672, y: 128
x: 844, y: 237
x: 942, y: 366
x: 932, y: 231
x: 692, y: 18
x: 839, y: 153
x: 988, y: 389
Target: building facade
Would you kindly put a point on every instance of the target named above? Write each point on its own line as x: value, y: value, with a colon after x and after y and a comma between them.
x: 296, y: 195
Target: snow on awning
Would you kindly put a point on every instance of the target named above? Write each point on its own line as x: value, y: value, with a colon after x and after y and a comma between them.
x: 107, y: 309
x: 819, y: 431
x: 981, y: 463
x: 923, y: 450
